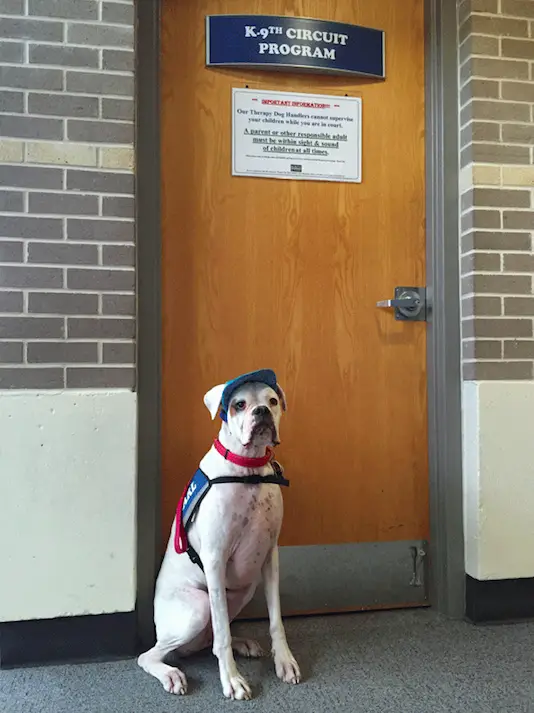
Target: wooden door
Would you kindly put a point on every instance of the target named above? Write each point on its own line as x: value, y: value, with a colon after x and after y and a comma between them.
x: 286, y: 274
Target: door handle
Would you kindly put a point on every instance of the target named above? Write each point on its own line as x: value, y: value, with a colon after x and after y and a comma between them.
x: 409, y: 304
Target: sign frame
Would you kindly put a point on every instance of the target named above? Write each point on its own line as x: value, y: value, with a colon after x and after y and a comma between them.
x: 228, y: 44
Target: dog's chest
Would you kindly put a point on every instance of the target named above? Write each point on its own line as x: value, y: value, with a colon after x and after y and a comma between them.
x: 256, y: 511
x: 255, y: 526
x: 248, y: 523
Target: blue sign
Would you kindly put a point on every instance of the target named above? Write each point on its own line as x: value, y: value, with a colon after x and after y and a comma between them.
x: 279, y: 42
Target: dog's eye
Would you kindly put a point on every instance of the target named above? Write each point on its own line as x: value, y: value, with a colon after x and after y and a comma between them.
x: 239, y: 405
x: 274, y: 402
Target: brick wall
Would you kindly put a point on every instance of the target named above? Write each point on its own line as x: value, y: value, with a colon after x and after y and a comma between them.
x: 66, y: 194
x: 497, y: 181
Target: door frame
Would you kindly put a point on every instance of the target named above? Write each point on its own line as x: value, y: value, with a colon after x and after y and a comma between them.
x: 447, y: 571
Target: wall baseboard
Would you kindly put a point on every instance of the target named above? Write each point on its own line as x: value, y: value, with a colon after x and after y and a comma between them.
x: 499, y: 600
x: 68, y: 639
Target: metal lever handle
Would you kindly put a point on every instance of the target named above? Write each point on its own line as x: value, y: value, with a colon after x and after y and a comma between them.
x: 409, y: 303
x: 406, y: 302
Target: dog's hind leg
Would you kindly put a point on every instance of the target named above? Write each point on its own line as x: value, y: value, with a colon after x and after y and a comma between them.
x: 238, y: 600
x: 172, y: 679
x: 180, y: 622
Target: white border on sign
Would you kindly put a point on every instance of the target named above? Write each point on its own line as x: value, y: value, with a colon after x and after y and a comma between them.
x: 308, y: 97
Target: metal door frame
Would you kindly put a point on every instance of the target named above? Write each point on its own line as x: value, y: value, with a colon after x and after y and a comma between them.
x: 447, y: 571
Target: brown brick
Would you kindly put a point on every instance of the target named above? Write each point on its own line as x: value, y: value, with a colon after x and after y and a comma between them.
x: 517, y: 49
x: 23, y: 327
x: 518, y: 263
x: 519, y: 306
x: 480, y: 240
x: 482, y: 349
x: 479, y: 45
x: 468, y: 7
x: 480, y: 131
x: 101, y: 377
x: 518, y: 91
x: 482, y: 262
x: 97, y: 280
x: 519, y: 349
x: 518, y: 133
x: 464, y: 11
x: 497, y: 284
x: 517, y: 8
x: 484, y: 131
x: 466, y: 156
x: 481, y: 219
x: 11, y: 352
x: 62, y: 303
x: 518, y: 176
x: 482, y: 45
x: 118, y: 305
x: 484, y: 175
x: 118, y: 353
x: 496, y: 197
x: 496, y: 328
x: 481, y: 306
x: 25, y: 377
x: 466, y: 201
x: 498, y: 26
x: 494, y: 69
x: 491, y: 153
x: 62, y: 352
x: 518, y: 219
x: 484, y: 110
x: 479, y: 89
x: 11, y: 302
x: 495, y: 370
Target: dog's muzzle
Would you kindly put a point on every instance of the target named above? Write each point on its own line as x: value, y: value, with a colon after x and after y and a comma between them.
x: 263, y: 422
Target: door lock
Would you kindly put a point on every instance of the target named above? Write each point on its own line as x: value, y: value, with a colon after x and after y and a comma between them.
x: 409, y: 303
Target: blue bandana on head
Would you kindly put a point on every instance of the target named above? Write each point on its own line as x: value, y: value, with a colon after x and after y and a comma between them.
x: 262, y: 376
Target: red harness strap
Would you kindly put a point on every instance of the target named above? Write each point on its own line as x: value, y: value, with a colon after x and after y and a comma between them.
x: 180, y: 536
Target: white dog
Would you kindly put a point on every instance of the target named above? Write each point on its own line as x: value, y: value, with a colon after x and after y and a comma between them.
x: 224, y: 540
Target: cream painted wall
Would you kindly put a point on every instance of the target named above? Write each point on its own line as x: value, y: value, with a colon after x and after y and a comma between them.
x: 498, y: 433
x: 67, y: 503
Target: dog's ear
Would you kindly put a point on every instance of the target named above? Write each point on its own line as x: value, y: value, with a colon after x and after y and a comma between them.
x: 282, y: 396
x: 212, y: 399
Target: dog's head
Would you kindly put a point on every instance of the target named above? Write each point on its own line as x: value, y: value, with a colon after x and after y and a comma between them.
x: 251, y: 406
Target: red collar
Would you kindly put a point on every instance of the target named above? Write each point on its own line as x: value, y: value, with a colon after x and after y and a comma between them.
x: 242, y: 460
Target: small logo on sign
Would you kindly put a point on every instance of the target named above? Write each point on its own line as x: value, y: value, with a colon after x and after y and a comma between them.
x: 296, y: 168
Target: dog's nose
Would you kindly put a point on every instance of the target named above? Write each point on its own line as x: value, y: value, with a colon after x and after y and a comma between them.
x: 260, y: 411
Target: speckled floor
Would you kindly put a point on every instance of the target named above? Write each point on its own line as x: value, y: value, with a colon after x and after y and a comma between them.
x: 386, y: 662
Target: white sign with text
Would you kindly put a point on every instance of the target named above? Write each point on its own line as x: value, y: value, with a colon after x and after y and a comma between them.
x: 309, y: 137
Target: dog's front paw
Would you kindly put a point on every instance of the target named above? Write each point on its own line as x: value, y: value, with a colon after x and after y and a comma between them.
x: 287, y: 669
x: 236, y: 688
x: 174, y: 681
x: 247, y: 647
